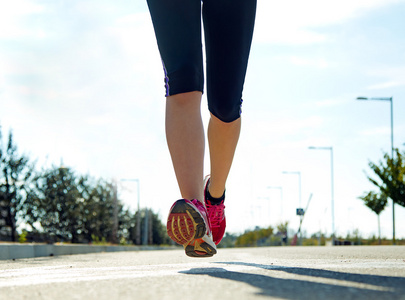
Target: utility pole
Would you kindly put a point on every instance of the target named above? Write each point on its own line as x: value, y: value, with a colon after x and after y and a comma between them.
x: 115, y: 213
x: 146, y: 228
x: 138, y: 220
x: 151, y: 228
x: 390, y: 99
x: 138, y: 214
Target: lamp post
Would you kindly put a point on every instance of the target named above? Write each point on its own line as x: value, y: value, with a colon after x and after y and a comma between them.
x: 281, y: 194
x: 115, y: 213
x: 299, y: 186
x: 392, y: 151
x: 332, y: 188
x: 138, y: 220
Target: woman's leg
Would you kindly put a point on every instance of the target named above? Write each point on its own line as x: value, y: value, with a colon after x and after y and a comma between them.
x: 177, y: 25
x: 223, y: 138
x: 228, y: 28
x: 185, y: 138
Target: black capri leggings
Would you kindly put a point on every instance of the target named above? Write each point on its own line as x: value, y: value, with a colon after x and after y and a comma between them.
x: 228, y: 30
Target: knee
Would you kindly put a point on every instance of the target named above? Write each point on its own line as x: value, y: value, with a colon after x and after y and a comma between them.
x: 185, y: 78
x: 225, y: 110
x: 185, y: 100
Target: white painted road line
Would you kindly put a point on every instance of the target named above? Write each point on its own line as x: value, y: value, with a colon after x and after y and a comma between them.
x: 71, y: 273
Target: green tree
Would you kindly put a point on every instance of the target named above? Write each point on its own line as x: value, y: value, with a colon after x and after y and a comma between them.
x: 98, y: 211
x: 58, y: 204
x: 282, y: 229
x: 159, y: 232
x: 228, y: 241
x: 16, y: 174
x: 377, y: 203
x: 254, y: 238
x: 156, y: 230
x: 391, y: 175
x: 66, y: 206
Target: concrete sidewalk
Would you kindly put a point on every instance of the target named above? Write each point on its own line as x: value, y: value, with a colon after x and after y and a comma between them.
x: 17, y: 251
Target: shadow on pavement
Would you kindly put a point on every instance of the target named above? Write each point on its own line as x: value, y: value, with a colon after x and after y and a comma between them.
x: 347, y: 286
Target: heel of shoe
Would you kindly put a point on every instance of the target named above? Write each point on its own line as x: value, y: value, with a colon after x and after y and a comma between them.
x: 200, y: 248
x: 185, y: 223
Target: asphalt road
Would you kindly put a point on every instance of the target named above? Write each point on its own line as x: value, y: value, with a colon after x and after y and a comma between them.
x: 345, y: 272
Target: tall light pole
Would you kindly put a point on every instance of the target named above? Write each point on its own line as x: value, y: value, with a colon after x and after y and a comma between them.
x: 299, y: 186
x: 138, y: 220
x: 115, y: 213
x: 281, y: 194
x: 332, y: 188
x: 392, y: 151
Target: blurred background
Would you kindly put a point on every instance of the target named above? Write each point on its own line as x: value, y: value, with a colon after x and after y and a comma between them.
x: 81, y: 89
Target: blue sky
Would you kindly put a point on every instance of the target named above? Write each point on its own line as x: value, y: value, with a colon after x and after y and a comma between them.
x: 82, y: 82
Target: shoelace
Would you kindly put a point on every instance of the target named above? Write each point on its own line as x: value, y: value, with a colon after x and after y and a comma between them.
x: 216, y: 213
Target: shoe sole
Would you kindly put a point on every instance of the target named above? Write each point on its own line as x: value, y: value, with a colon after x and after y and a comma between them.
x: 200, y: 248
x: 186, y: 227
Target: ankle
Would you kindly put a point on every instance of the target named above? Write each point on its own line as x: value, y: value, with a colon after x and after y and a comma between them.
x: 214, y: 199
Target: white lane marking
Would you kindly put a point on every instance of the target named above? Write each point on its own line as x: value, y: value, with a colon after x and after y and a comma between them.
x: 72, y: 273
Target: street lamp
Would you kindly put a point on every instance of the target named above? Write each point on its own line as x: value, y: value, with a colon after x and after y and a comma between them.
x: 392, y: 151
x: 299, y: 186
x: 281, y: 194
x: 299, y: 209
x: 331, y: 188
x: 138, y: 227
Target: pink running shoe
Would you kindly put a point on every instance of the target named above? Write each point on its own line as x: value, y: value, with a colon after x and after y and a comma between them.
x: 188, y: 225
x: 216, y: 215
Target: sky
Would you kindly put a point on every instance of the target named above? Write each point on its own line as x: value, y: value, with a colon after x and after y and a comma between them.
x: 81, y: 84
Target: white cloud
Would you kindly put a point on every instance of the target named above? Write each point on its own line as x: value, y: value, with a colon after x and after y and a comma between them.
x: 376, y: 131
x: 331, y: 102
x: 295, y: 22
x: 392, y: 77
x: 135, y: 34
x: 11, y: 18
x: 385, y: 85
x: 319, y: 63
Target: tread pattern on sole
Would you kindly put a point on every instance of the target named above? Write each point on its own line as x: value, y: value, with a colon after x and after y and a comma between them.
x: 200, y: 249
x: 185, y: 223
